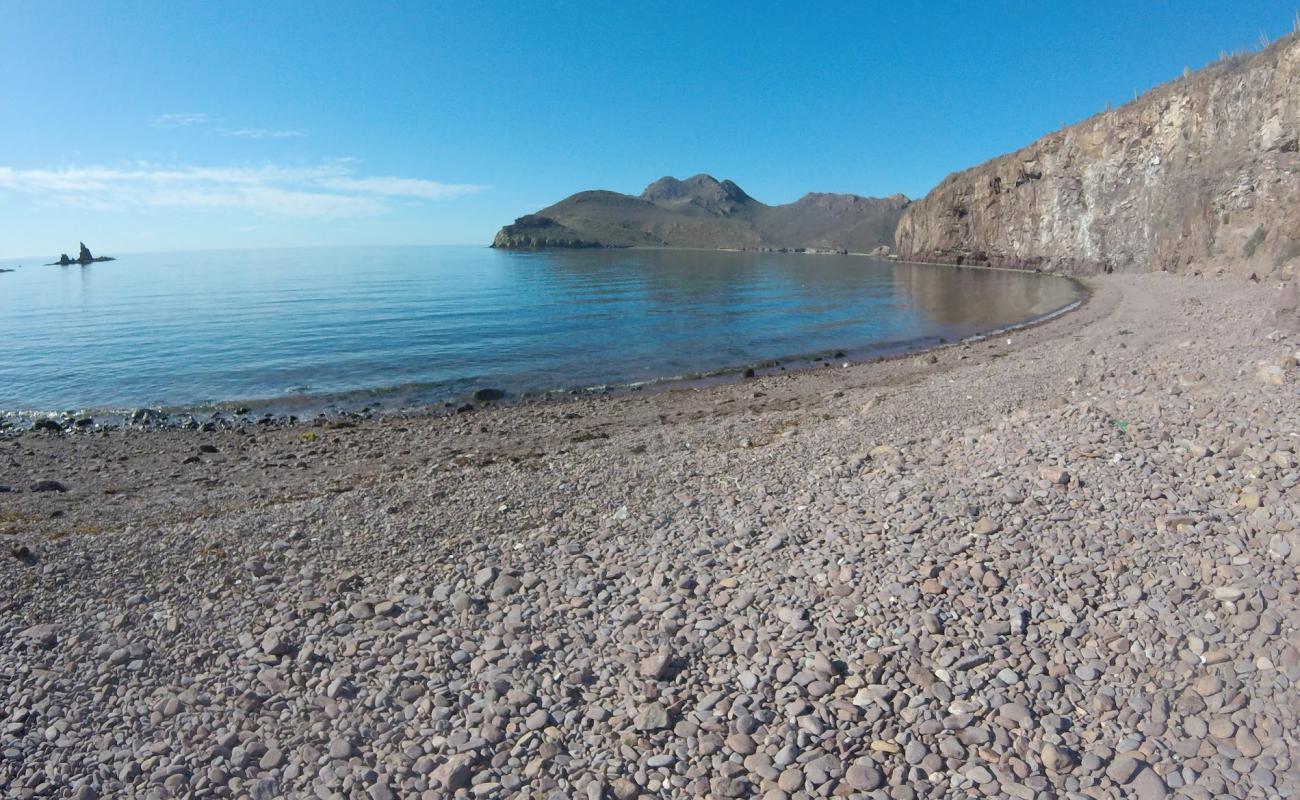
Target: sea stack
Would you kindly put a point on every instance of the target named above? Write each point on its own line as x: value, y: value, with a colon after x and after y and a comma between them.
x: 83, y: 258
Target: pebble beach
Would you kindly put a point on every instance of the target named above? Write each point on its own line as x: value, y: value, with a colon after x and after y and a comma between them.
x: 1061, y: 562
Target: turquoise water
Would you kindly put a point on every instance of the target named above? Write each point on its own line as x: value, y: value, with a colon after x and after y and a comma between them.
x: 410, y: 326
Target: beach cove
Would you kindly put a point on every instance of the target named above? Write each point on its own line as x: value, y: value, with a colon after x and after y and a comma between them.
x: 1056, y: 562
x: 301, y: 331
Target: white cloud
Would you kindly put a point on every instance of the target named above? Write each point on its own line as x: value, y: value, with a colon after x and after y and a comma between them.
x: 191, y: 119
x: 183, y: 120
x: 401, y: 187
x: 328, y: 190
x: 263, y: 133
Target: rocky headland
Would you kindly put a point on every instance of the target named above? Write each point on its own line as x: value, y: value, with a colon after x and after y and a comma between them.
x: 1202, y: 173
x: 703, y: 212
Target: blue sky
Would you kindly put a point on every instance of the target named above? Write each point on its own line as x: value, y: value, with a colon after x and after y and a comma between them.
x: 156, y: 126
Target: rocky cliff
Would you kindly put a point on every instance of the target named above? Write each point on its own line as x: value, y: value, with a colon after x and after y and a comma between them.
x: 1199, y: 173
x: 705, y: 212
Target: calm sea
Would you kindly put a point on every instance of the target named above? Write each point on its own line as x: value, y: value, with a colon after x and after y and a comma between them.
x: 311, y: 329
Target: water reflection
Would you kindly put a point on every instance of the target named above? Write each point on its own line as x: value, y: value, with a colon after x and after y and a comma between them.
x: 180, y: 329
x: 965, y: 297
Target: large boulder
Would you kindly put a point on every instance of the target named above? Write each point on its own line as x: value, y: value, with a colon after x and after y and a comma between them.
x: 1285, y: 314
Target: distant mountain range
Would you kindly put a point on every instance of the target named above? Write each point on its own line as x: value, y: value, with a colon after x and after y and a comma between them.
x: 1201, y: 173
x: 707, y: 213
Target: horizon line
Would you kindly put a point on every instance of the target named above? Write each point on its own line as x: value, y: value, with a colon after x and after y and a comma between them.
x: 263, y: 247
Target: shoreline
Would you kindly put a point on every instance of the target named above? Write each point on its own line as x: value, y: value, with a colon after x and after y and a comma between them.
x: 892, y: 257
x: 1061, y: 564
x: 627, y: 409
x: 298, y: 410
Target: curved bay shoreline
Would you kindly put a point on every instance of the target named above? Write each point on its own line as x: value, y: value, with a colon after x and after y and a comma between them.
x: 1064, y: 564
x: 363, y: 404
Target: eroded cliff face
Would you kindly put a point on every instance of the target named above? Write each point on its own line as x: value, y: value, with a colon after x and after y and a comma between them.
x: 1200, y: 173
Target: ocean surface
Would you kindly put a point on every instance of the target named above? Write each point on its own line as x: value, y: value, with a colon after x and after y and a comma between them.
x: 305, y: 330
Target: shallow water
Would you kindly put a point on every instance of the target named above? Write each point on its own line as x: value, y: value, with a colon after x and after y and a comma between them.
x: 406, y: 326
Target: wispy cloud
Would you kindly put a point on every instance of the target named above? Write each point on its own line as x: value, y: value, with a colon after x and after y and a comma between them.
x: 263, y: 133
x: 182, y: 120
x: 398, y: 187
x: 194, y: 119
x: 328, y: 190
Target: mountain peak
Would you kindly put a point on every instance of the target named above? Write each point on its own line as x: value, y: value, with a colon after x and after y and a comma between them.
x: 832, y: 199
x: 702, y: 211
x: 702, y: 189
